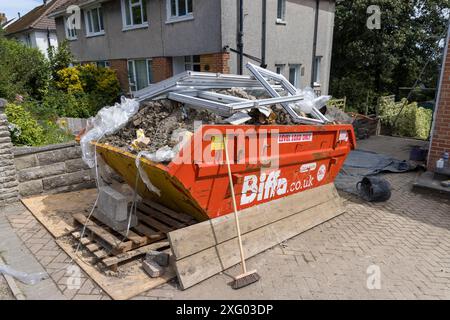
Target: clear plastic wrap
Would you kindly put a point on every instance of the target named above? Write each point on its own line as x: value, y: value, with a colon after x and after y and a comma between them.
x: 107, y: 121
x: 310, y: 100
x: 27, y: 278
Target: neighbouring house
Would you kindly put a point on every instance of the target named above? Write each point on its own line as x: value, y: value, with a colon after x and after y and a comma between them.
x: 147, y: 41
x: 35, y: 28
x: 440, y: 131
x: 3, y: 19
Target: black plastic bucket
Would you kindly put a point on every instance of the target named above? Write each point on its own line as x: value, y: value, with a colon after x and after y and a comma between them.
x: 374, y: 189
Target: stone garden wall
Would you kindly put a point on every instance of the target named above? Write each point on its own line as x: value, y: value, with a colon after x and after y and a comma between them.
x: 51, y: 169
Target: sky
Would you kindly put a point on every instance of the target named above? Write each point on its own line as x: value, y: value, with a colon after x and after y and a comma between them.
x: 11, y: 7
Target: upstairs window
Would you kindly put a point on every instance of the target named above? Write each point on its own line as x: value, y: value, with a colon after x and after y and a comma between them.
x: 192, y: 63
x: 281, y: 10
x: 134, y: 13
x: 94, y: 21
x: 179, y: 10
x: 71, y: 31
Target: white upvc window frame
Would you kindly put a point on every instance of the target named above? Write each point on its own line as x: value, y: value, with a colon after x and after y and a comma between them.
x: 172, y: 18
x: 134, y: 83
x: 189, y: 61
x: 71, y: 34
x: 89, y: 12
x: 281, y: 18
x: 297, y: 68
x: 131, y: 26
x: 280, y: 67
x: 317, y: 69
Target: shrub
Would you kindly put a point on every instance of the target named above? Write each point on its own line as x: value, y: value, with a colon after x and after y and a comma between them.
x: 30, y: 132
x: 59, y: 58
x: 414, y: 121
x: 23, y: 70
x: 95, y: 86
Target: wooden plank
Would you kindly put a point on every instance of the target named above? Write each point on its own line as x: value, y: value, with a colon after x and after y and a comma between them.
x: 176, y: 215
x: 109, y: 238
x: 100, y: 254
x: 154, y: 223
x: 55, y: 211
x: 161, y: 217
x: 92, y: 247
x: 134, y: 253
x: 204, y: 264
x: 198, y: 237
x: 133, y: 282
x: 84, y: 241
x: 134, y: 237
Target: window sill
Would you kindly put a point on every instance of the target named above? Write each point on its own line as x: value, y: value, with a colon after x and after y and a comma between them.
x: 136, y: 26
x: 180, y: 19
x: 71, y: 39
x: 281, y: 22
x: 91, y: 35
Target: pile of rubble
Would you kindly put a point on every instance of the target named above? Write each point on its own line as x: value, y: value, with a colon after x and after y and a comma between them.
x: 159, y: 119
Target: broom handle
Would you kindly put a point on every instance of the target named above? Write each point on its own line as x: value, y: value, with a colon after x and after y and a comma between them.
x: 236, y: 217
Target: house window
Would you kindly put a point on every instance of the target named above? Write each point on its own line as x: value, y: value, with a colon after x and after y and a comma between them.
x: 192, y: 63
x: 71, y: 31
x: 94, y: 21
x: 179, y: 9
x: 134, y: 13
x: 279, y: 68
x: 294, y: 75
x: 317, y: 65
x: 139, y: 73
x: 104, y: 64
x: 281, y: 10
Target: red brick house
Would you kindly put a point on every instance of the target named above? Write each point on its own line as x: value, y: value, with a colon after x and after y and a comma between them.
x: 440, y: 131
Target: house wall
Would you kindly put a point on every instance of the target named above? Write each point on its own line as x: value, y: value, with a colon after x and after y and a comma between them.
x: 289, y: 43
x: 200, y: 35
x: 38, y: 39
x: 440, y: 134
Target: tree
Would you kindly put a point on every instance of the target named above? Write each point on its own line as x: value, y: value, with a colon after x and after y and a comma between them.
x: 23, y: 70
x: 59, y: 58
x: 379, y: 61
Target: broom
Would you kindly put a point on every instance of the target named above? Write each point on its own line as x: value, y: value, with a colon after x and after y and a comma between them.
x: 245, y: 278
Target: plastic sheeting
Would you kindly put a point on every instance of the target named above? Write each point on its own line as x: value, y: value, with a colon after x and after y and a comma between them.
x: 107, y: 121
x: 360, y: 163
x: 27, y: 278
x: 310, y: 100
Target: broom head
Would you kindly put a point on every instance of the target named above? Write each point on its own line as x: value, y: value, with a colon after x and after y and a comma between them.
x: 245, y: 279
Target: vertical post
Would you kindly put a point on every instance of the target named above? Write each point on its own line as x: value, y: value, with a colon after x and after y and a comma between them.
x: 9, y: 192
x: 314, y: 50
x: 264, y: 34
x: 240, y: 39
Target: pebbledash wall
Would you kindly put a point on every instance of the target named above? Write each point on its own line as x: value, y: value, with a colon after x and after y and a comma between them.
x: 51, y: 169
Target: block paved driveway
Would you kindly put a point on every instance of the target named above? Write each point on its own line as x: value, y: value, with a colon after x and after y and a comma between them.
x: 406, y: 241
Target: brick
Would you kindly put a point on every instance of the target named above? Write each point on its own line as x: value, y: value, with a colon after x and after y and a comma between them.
x: 67, y: 179
x: 75, y: 165
x: 153, y: 269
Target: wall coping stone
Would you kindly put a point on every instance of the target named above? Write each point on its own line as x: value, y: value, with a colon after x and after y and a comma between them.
x: 21, y: 151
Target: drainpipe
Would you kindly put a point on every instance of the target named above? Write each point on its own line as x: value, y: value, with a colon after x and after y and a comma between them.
x: 48, y: 38
x: 314, y: 51
x: 240, y: 40
x: 264, y: 34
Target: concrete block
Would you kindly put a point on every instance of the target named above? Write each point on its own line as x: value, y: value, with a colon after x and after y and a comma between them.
x: 161, y: 258
x: 153, y: 269
x: 113, y: 209
x: 30, y: 188
x: 60, y: 155
x: 41, y: 172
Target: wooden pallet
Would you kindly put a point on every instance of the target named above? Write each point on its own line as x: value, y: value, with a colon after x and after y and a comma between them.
x: 111, y: 248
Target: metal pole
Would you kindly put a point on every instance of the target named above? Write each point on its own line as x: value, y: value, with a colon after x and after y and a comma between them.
x: 240, y: 43
x: 314, y: 51
x: 264, y: 34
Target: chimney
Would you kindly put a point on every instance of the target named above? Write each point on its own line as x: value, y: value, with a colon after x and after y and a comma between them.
x: 18, y: 14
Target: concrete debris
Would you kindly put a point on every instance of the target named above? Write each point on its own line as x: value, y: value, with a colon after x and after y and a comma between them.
x: 161, y: 258
x: 153, y: 269
x: 338, y: 116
